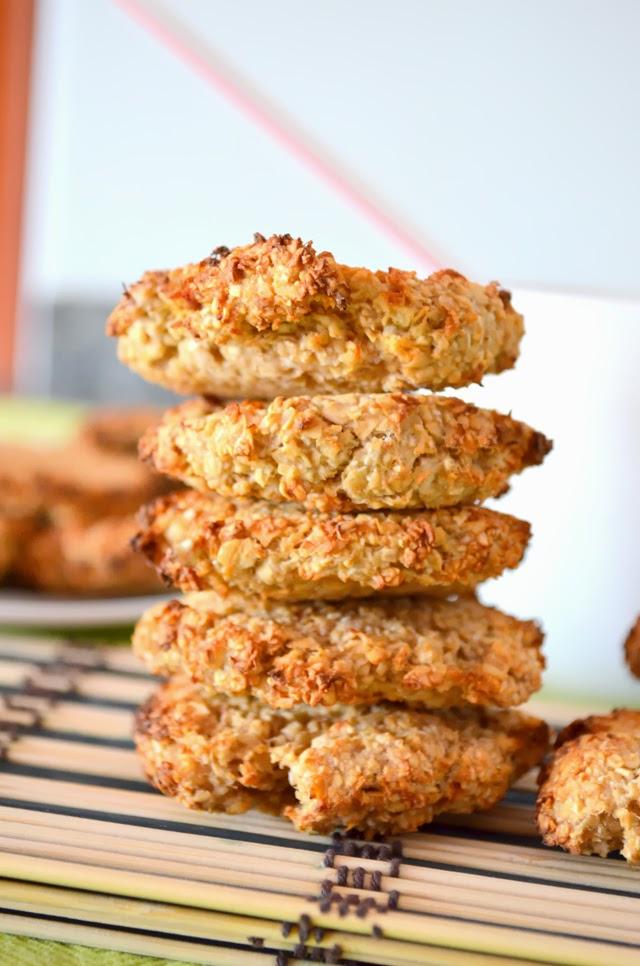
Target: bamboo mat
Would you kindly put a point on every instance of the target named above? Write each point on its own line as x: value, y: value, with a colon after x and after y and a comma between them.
x: 90, y: 854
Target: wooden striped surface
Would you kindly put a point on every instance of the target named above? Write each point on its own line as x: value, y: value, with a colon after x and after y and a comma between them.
x: 90, y: 853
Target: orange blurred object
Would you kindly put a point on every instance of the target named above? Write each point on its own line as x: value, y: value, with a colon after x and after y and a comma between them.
x: 16, y: 35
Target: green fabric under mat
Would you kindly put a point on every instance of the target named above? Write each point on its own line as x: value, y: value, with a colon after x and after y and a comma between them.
x: 24, y: 951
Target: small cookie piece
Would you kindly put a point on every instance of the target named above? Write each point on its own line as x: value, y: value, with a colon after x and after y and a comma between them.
x: 277, y: 318
x: 632, y: 649
x: 279, y: 551
x: 118, y: 429
x: 86, y: 559
x: 382, y: 770
x: 428, y: 652
x: 589, y: 797
x: 358, y: 451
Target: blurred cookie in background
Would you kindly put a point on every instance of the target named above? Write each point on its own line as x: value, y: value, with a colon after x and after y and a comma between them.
x: 74, y: 479
x: 632, y: 649
x: 87, y: 559
x: 66, y: 511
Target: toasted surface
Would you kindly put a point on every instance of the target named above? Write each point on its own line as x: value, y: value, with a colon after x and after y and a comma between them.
x: 86, y: 558
x: 73, y: 481
x: 632, y: 649
x: 279, y: 551
x: 385, y: 769
x: 276, y: 317
x: 355, y: 451
x: 118, y: 429
x: 428, y: 652
x: 589, y: 798
x: 15, y: 529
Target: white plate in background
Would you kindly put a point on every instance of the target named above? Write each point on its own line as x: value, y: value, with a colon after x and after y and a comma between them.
x: 27, y: 609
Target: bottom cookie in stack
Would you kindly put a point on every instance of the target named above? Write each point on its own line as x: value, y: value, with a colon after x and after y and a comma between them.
x: 230, y: 730
x: 380, y: 769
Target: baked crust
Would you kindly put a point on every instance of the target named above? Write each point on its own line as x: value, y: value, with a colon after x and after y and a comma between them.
x: 278, y: 318
x: 432, y: 653
x: 383, y: 770
x: 86, y: 558
x: 632, y: 649
x: 375, y: 451
x: 589, y: 798
x: 278, y: 551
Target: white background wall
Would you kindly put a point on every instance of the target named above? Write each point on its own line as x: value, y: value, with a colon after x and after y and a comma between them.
x: 506, y: 133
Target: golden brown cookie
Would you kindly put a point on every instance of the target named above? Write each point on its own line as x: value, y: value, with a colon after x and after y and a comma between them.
x: 358, y: 451
x: 589, y: 798
x: 94, y: 559
x: 381, y: 770
x: 632, y: 649
x: 279, y: 551
x: 277, y: 318
x: 433, y: 653
x: 73, y: 482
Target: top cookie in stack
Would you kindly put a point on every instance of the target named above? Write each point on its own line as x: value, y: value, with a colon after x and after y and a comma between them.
x: 333, y: 481
x: 276, y: 318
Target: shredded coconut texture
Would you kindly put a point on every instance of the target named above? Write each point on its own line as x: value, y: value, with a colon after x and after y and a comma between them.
x: 589, y: 798
x: 278, y: 318
x: 384, y: 770
x: 357, y: 451
x: 279, y: 551
x: 434, y: 653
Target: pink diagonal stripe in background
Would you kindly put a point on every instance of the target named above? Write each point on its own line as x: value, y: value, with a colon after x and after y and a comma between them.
x: 208, y: 65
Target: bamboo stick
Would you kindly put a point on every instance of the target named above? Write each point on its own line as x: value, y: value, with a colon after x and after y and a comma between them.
x: 155, y: 807
x: 398, y: 925
x: 135, y: 914
x: 532, y: 910
x: 104, y: 685
x: 37, y: 647
x: 95, y: 937
x: 151, y: 805
x: 197, y: 849
x: 608, y: 874
x: 381, y: 951
x: 47, y: 752
x: 307, y: 870
x: 95, y: 722
x: 101, y: 685
x: 537, y: 861
x: 76, y: 719
x: 53, y: 650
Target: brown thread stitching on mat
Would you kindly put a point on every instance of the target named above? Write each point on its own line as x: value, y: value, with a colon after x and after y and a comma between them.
x: 305, y: 927
x: 10, y: 703
x: 11, y: 730
x: 34, y: 684
x: 347, y: 844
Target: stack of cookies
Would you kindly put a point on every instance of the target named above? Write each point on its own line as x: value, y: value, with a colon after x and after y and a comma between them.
x: 329, y: 661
